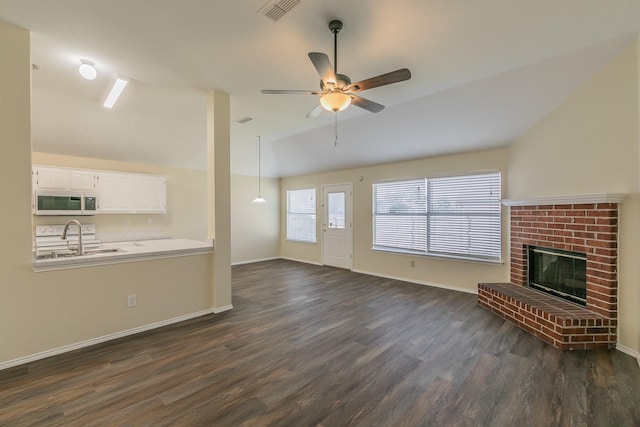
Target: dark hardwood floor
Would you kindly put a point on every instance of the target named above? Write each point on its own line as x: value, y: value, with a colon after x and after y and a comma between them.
x: 316, y: 346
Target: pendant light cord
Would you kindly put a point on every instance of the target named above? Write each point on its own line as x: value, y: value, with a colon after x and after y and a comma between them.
x: 259, y: 167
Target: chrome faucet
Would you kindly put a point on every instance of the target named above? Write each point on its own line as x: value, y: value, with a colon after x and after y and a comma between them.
x: 66, y: 230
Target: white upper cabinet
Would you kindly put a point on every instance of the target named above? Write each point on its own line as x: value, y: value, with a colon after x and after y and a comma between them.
x: 131, y: 193
x: 82, y: 180
x: 114, y: 192
x: 50, y: 178
x: 46, y: 178
x: 150, y: 194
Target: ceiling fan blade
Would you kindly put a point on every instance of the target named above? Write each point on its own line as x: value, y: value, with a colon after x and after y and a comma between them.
x: 323, y: 66
x: 288, y: 92
x: 381, y: 80
x: 361, y: 102
x: 317, y: 110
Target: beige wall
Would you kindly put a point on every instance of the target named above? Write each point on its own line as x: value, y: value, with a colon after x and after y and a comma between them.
x: 462, y: 275
x: 589, y: 145
x: 43, y: 312
x: 255, y: 229
x: 186, y: 215
x: 219, y: 191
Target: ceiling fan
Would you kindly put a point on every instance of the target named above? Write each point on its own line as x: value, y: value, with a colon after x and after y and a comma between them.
x: 336, y: 90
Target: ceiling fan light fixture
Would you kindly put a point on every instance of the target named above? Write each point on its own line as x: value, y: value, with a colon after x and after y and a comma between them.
x: 87, y: 69
x: 335, y: 101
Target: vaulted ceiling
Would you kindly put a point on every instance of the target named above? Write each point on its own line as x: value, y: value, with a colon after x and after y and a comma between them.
x: 483, y: 73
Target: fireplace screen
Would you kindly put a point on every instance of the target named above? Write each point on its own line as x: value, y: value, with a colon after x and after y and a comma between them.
x: 559, y: 273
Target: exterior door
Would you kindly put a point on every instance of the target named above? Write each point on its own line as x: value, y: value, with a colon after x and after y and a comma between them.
x: 337, y: 227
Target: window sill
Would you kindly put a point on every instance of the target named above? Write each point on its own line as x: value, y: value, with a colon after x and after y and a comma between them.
x: 438, y: 256
x: 301, y: 241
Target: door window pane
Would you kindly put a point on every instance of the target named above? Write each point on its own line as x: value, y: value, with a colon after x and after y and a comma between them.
x: 336, y: 210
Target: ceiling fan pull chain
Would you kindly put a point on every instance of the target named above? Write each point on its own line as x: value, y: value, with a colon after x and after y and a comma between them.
x: 335, y: 142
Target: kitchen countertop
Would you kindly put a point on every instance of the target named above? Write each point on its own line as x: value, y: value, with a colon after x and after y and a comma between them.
x: 127, y: 252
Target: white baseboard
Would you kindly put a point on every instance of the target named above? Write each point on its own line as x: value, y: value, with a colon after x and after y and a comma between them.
x: 254, y: 261
x: 418, y: 282
x: 370, y: 273
x: 301, y: 260
x: 104, y: 338
x: 222, y: 309
x: 629, y: 351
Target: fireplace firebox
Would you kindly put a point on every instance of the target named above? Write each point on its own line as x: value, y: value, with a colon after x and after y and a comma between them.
x: 560, y: 273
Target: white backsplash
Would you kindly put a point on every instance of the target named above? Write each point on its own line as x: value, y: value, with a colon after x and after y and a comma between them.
x: 131, y: 235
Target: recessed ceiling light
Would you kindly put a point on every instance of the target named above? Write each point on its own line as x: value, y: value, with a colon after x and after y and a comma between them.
x: 87, y: 70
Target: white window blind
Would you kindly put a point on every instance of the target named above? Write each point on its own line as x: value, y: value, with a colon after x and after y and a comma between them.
x: 464, y: 216
x: 456, y: 216
x: 400, y: 215
x: 301, y: 215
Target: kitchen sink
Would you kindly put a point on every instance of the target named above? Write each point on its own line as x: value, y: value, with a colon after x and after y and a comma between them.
x: 67, y: 254
x: 53, y: 255
x: 101, y: 251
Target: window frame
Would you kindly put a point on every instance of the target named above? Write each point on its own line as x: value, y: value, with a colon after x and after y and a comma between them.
x: 492, y: 215
x: 312, y: 217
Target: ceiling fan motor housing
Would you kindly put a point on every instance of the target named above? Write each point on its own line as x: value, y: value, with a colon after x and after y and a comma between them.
x: 343, y: 82
x: 335, y: 26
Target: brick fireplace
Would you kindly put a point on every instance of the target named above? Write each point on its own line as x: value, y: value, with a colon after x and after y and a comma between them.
x: 587, y: 225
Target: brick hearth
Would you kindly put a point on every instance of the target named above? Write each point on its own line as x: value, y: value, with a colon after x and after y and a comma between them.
x: 564, y: 325
x: 589, y: 228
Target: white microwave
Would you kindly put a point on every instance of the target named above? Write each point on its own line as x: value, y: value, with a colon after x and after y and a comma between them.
x: 63, y: 202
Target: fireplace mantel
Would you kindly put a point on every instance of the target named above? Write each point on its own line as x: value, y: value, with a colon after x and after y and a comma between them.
x: 567, y: 200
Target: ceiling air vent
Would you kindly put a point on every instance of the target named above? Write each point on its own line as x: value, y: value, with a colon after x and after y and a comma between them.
x: 243, y: 120
x: 276, y: 9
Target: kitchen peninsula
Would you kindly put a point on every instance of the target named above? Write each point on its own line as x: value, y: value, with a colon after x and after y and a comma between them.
x: 120, y: 252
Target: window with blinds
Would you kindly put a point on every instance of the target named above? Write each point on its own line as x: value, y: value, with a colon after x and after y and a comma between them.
x: 301, y: 215
x: 457, y: 216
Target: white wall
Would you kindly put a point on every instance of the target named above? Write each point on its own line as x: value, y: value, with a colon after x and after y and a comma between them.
x: 588, y: 145
x: 455, y: 274
x: 255, y: 229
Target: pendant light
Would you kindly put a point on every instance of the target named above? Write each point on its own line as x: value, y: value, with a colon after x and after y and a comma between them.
x: 259, y: 200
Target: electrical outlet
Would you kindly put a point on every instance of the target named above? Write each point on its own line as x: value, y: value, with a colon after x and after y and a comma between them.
x: 132, y: 301
x: 149, y: 220
x: 412, y: 263
x: 125, y: 224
